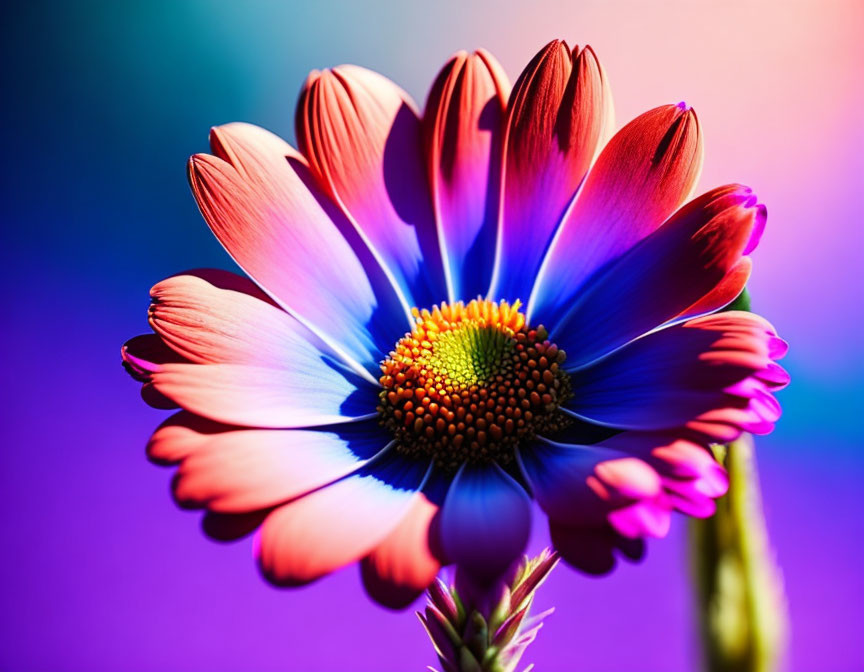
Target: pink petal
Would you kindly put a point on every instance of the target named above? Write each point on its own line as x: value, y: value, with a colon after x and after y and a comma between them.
x: 687, y: 497
x: 555, y: 122
x: 691, y: 477
x: 463, y: 129
x: 141, y: 355
x: 645, y: 172
x: 208, y: 325
x: 579, y: 485
x: 662, y: 275
x: 633, y: 480
x: 304, y: 396
x: 758, y: 230
x: 181, y: 435
x: 630, y: 477
x: 725, y: 429
x: 403, y: 565
x: 645, y: 518
x: 485, y: 520
x: 229, y: 281
x: 339, y: 524
x: 777, y: 347
x: 362, y: 138
x: 774, y: 376
x: 674, y: 456
x: 245, y: 470
x: 676, y: 375
x: 258, y: 198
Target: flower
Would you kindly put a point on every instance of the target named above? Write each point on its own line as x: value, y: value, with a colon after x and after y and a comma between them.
x: 349, y: 404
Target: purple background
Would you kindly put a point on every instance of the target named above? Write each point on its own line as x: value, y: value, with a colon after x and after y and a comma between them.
x: 100, y: 571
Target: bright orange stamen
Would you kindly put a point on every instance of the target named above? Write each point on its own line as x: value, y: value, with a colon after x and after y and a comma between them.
x: 470, y: 382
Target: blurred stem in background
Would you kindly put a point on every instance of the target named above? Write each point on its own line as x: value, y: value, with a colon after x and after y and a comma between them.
x: 742, y: 608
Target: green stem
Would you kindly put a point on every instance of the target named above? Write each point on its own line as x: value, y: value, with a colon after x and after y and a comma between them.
x: 742, y: 608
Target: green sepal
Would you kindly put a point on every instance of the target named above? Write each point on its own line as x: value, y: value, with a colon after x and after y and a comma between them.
x: 460, y: 609
x: 489, y: 658
x: 477, y: 634
x: 741, y: 302
x: 467, y: 661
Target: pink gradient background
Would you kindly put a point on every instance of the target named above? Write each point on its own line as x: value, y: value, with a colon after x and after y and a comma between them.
x: 100, y: 571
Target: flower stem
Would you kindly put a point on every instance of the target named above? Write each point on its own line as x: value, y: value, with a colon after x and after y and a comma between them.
x: 742, y: 608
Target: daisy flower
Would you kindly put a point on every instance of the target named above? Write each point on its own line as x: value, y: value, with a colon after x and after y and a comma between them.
x: 450, y: 314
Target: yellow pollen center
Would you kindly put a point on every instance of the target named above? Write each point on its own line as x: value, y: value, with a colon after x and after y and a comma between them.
x: 470, y: 382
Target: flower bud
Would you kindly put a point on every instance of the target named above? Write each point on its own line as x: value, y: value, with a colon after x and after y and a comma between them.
x: 477, y: 626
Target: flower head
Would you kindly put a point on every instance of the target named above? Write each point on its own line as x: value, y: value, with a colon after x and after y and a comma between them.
x: 450, y: 314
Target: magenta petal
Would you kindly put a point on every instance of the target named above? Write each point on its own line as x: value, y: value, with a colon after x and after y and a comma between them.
x: 726, y: 424
x: 777, y: 347
x: 774, y: 375
x: 629, y: 477
x: 485, y: 520
x: 583, y: 486
x: 674, y: 458
x: 758, y: 229
x: 675, y: 375
x: 687, y: 497
x: 690, y: 476
x: 766, y: 406
x: 633, y: 480
x: 645, y: 518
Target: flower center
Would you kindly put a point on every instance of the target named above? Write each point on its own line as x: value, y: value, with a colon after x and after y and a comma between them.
x: 470, y: 382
